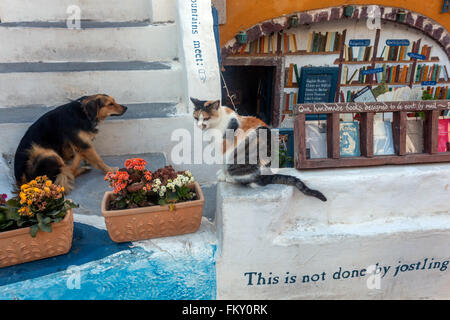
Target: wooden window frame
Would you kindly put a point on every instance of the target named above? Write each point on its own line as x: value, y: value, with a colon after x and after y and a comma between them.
x: 367, y: 111
x: 271, y: 61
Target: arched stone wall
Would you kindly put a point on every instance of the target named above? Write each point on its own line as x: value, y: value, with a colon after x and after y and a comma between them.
x: 415, y: 20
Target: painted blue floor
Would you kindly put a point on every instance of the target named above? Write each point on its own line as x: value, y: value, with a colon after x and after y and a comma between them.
x: 97, y: 268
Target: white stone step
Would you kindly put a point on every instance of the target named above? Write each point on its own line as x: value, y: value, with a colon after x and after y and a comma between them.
x: 100, y: 10
x: 56, y: 83
x: 95, y: 41
x: 391, y: 215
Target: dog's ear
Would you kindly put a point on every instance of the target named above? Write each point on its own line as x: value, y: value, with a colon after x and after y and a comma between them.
x: 91, y: 108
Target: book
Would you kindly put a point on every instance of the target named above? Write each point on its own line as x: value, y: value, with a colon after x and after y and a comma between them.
x: 345, y: 75
x: 382, y: 53
x: 332, y: 46
x: 291, y: 74
x: 349, y: 139
x: 361, y: 53
x: 279, y: 42
x: 295, y: 42
x: 446, y: 76
x: 285, y: 43
x: 353, y: 76
x: 383, y: 142
x: 297, y: 75
x: 309, y: 45
x: 337, y: 42
x: 443, y: 134
x: 428, y: 53
x: 323, y: 42
x: 266, y: 44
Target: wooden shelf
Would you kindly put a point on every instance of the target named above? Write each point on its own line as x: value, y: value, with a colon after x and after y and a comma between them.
x: 358, y: 84
x: 305, y: 53
x: 437, y: 83
x: 377, y: 61
x: 298, y: 53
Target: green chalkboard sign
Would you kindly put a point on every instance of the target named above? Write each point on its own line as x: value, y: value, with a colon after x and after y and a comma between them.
x: 317, y: 84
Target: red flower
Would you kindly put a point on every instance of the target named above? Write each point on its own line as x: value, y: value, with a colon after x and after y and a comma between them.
x: 136, y: 164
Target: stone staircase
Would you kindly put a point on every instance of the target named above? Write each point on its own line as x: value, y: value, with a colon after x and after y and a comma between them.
x: 126, y: 49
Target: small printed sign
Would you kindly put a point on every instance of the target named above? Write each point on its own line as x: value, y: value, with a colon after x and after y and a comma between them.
x: 416, y: 56
x: 364, y: 95
x: 397, y: 42
x: 359, y: 43
x: 428, y: 83
x: 371, y: 71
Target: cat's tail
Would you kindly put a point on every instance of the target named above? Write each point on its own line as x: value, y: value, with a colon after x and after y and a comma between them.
x: 290, y: 181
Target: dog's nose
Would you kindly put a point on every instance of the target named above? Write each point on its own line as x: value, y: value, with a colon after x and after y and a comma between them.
x: 124, y: 109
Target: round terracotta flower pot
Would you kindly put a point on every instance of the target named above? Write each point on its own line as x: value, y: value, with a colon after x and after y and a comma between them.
x: 18, y: 246
x: 153, y: 222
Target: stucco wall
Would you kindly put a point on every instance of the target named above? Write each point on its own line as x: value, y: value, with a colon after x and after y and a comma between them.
x: 242, y: 15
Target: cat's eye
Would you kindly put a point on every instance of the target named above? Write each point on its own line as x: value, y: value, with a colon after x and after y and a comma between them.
x: 206, y: 119
x: 196, y: 118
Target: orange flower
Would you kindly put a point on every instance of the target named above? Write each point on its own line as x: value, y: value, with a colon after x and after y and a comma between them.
x: 136, y: 164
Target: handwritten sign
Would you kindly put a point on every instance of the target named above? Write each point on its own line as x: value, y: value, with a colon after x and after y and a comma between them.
x: 416, y: 56
x: 359, y: 43
x: 397, y: 42
x: 317, y: 88
x: 354, y: 107
x: 317, y: 84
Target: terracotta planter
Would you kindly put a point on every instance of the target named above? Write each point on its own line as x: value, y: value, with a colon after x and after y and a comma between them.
x: 18, y: 246
x: 153, y: 222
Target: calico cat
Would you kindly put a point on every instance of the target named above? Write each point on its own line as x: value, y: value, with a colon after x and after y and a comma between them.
x: 245, y: 132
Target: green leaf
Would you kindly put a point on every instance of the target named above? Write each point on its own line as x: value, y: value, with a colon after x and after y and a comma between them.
x: 12, y: 214
x: 45, y: 227
x: 5, y: 225
x: 12, y: 203
x: 33, y: 230
x: 47, y: 220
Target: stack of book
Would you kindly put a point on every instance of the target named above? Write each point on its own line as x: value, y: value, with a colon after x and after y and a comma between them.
x: 439, y: 93
x: 400, y: 53
x: 358, y: 53
x: 272, y: 44
x: 395, y: 74
x: 327, y: 42
x: 430, y: 73
x: 290, y: 100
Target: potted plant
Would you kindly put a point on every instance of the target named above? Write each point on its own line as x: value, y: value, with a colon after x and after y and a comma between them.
x: 145, y: 205
x: 35, y: 225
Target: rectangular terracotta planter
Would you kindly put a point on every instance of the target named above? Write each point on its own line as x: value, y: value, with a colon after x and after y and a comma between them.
x: 153, y: 222
x: 18, y: 246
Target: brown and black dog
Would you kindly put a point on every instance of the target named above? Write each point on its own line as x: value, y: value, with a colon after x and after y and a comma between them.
x: 57, y: 142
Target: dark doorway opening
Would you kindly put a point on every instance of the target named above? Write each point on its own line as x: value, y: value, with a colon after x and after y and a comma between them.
x: 252, y: 90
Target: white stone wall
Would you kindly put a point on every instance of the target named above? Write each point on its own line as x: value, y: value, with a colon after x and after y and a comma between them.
x: 391, y: 215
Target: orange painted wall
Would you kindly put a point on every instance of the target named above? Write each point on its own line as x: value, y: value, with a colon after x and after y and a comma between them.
x: 243, y: 14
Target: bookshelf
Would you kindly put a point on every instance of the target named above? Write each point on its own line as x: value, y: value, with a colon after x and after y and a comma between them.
x: 400, y: 61
x: 367, y: 110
